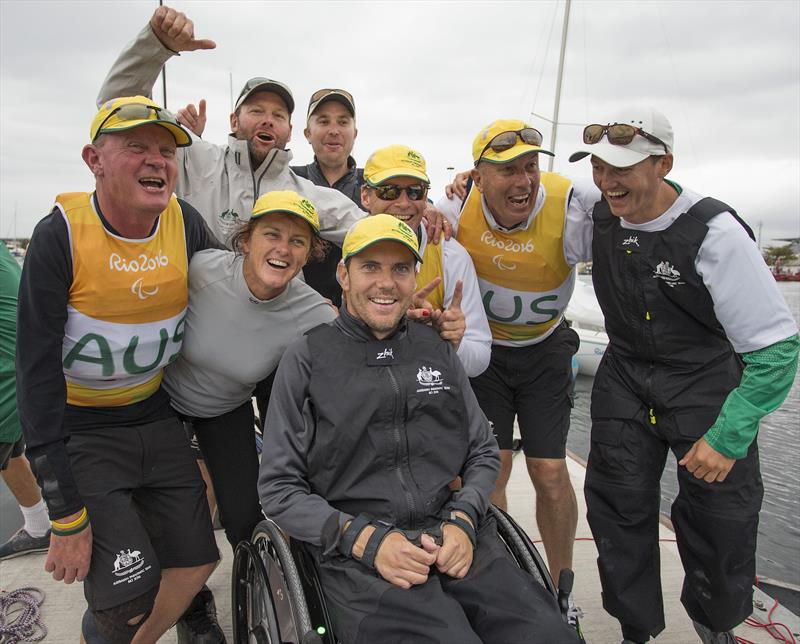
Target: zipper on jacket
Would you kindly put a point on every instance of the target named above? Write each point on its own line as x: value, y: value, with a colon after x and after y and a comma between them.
x: 257, y: 184
x: 398, y: 441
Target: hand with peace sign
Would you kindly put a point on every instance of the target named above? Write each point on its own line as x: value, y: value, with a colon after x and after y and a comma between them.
x: 176, y: 31
x: 451, y: 322
x: 421, y: 310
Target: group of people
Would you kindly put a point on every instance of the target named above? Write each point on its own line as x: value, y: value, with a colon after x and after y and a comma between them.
x: 389, y: 367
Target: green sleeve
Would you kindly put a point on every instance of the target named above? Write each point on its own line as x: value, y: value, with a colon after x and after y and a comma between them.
x: 766, y: 380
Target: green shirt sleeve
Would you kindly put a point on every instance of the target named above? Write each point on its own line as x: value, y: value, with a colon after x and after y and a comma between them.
x: 766, y: 380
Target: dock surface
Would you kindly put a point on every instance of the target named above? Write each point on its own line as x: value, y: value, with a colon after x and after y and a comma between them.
x: 64, y: 605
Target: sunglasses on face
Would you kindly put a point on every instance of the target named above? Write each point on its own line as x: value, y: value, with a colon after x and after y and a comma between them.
x: 322, y: 93
x: 617, y: 134
x: 137, y: 112
x: 390, y: 192
x: 507, y: 140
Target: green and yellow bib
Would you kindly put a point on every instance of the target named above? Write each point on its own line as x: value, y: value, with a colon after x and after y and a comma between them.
x: 432, y: 267
x: 126, y: 308
x: 524, y: 278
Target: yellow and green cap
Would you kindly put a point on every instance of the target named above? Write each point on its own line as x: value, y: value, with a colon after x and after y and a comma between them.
x: 481, y: 151
x: 287, y: 201
x: 377, y: 228
x: 128, y: 112
x: 395, y: 161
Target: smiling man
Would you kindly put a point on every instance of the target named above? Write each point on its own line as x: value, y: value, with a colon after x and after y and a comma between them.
x: 331, y: 131
x: 102, y: 302
x: 525, y: 231
x: 396, y: 183
x: 363, y: 478
x: 224, y: 181
x: 702, y: 346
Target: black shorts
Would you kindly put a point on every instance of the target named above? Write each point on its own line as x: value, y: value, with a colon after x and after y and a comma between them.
x: 147, y: 507
x: 11, y: 450
x: 532, y: 384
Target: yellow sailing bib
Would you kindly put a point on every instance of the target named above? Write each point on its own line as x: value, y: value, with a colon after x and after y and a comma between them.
x: 430, y: 269
x: 524, y: 279
x: 126, y: 308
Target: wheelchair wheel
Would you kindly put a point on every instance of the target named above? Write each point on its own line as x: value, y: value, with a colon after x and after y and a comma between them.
x: 522, y: 549
x: 268, y: 600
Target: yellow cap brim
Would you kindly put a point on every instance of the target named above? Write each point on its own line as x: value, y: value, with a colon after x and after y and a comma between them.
x: 512, y: 153
x: 384, y: 175
x: 181, y: 136
x: 355, y: 251
x: 286, y: 211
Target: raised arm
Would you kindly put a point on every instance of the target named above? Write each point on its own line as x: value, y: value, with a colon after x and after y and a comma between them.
x: 135, y: 71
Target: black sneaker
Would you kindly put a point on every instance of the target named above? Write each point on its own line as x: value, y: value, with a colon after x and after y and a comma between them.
x: 198, y: 625
x: 21, y: 543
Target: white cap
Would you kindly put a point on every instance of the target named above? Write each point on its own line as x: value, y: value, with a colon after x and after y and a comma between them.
x: 649, y: 120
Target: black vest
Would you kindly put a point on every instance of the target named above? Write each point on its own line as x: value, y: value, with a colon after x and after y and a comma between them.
x: 656, y: 307
x: 389, y: 434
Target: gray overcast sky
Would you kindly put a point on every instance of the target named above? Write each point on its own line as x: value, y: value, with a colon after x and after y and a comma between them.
x: 430, y: 75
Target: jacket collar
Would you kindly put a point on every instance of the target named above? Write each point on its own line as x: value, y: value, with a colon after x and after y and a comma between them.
x: 276, y: 160
x: 358, y: 330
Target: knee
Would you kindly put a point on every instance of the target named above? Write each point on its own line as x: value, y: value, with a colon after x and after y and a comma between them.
x: 550, y: 477
x: 120, y: 623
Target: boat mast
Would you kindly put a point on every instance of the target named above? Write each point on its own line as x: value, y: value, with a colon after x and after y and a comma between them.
x: 164, y: 72
x: 558, y: 82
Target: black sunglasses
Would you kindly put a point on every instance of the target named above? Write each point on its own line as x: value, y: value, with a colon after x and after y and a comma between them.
x: 390, y: 192
x: 617, y: 134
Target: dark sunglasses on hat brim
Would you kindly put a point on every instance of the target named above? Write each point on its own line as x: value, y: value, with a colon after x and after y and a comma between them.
x: 137, y: 112
x: 618, y: 134
x: 507, y: 140
x: 390, y: 192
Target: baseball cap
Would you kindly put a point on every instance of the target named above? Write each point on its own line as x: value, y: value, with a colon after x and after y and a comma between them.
x: 287, y: 201
x: 648, y: 119
x: 481, y: 151
x: 128, y: 112
x: 339, y: 95
x: 372, y: 230
x: 261, y: 84
x: 395, y: 161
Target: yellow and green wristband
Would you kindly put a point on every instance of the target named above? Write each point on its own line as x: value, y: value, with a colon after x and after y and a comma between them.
x: 73, y: 527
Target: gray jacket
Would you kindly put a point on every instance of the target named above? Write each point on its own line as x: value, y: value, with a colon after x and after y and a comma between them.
x: 217, y: 179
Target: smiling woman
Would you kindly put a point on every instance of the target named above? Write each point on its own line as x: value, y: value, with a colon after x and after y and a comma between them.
x: 245, y: 308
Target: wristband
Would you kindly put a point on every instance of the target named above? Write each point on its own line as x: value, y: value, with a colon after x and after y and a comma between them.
x: 376, y: 538
x: 83, y: 516
x: 350, y: 535
x: 67, y: 533
x: 465, y: 526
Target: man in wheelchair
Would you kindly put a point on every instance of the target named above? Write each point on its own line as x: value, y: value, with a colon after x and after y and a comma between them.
x: 371, y: 418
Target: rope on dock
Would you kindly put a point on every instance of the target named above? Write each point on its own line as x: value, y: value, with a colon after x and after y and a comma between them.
x: 20, y: 619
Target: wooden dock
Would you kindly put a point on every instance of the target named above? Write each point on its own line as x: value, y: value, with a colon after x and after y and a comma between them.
x: 64, y: 605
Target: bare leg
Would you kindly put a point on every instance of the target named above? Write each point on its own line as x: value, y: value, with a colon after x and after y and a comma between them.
x: 21, y: 482
x: 556, y: 510
x: 178, y: 587
x: 210, y: 496
x: 498, y: 497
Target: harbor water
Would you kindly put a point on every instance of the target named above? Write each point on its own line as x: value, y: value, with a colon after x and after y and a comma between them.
x: 778, y: 555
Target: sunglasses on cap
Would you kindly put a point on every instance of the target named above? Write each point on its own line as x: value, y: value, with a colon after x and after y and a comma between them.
x: 137, y: 112
x: 322, y: 93
x: 617, y: 134
x: 390, y: 192
x: 507, y: 140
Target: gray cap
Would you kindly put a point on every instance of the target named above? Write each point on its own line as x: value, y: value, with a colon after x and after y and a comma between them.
x: 261, y: 84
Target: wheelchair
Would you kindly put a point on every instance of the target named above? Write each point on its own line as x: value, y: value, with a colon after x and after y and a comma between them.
x: 277, y: 596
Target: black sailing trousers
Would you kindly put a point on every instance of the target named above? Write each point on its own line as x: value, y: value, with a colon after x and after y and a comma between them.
x: 715, y: 524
